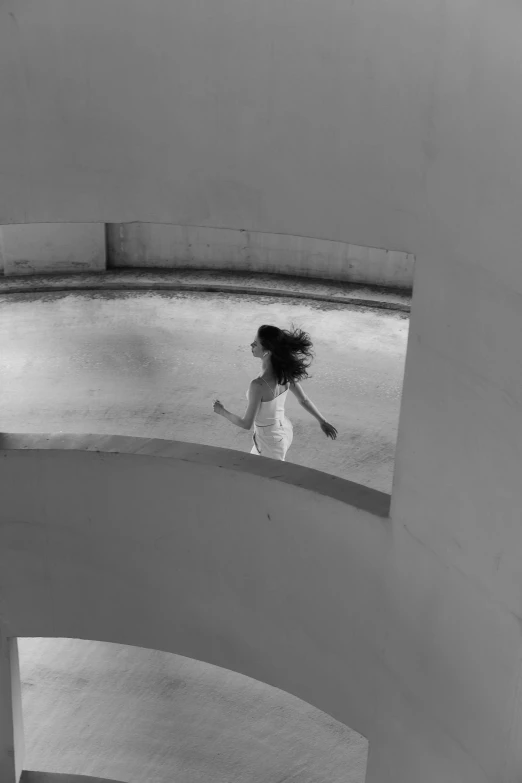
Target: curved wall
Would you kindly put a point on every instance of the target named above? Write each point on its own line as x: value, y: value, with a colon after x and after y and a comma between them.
x: 287, y: 575
x: 50, y: 248
x: 169, y: 247
x: 199, y: 551
x: 305, y: 118
x: 381, y: 124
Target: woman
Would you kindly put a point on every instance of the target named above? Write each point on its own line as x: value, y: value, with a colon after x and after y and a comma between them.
x: 285, y: 357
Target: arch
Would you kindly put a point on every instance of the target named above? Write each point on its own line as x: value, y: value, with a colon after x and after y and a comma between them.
x: 125, y: 547
x: 182, y: 717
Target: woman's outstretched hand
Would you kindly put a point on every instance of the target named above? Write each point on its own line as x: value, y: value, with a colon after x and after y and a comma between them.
x: 329, y: 430
x: 218, y: 407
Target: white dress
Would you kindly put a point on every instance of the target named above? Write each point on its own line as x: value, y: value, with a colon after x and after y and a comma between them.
x: 273, y: 431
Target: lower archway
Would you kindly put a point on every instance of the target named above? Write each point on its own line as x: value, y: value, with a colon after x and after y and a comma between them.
x: 129, y: 714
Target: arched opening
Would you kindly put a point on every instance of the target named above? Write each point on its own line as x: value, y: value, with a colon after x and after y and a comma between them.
x: 150, y: 363
x: 129, y: 714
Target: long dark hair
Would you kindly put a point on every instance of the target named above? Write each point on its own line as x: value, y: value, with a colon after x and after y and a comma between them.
x: 291, y: 352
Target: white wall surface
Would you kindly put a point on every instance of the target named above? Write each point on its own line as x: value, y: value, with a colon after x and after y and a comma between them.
x: 462, y: 403
x: 211, y: 554
x: 169, y: 247
x: 391, y: 125
x: 48, y: 248
x: 308, y: 118
x: 457, y: 486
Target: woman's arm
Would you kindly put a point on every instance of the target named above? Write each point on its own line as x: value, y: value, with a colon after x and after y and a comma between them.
x: 308, y: 405
x: 254, y: 401
x: 306, y: 402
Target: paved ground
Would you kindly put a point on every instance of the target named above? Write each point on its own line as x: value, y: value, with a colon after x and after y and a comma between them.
x: 150, y: 363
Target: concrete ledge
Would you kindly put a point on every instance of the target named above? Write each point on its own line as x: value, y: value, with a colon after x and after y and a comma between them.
x: 355, y: 495
x: 217, y: 282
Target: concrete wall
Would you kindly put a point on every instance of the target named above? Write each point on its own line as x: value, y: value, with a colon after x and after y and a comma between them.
x: 164, y: 246
x: 457, y: 485
x: 58, y: 248
x: 210, y: 554
x: 314, y: 119
x: 47, y: 248
x: 381, y: 124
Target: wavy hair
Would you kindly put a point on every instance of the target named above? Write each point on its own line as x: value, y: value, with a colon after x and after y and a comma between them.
x: 291, y: 352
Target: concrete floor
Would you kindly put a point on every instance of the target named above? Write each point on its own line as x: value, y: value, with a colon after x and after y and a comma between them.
x: 150, y: 364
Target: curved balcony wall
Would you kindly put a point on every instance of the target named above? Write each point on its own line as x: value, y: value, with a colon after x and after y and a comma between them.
x: 290, y: 576
x: 304, y: 121
x: 200, y: 551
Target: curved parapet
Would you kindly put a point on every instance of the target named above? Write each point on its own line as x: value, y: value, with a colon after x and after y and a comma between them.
x: 179, y: 114
x: 289, y: 576
x: 170, y: 247
x: 261, y: 567
x: 357, y: 495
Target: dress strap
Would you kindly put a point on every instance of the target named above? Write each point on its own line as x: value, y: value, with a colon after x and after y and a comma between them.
x: 273, y: 392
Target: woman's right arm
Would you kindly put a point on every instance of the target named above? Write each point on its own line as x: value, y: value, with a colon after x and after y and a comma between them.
x: 308, y: 405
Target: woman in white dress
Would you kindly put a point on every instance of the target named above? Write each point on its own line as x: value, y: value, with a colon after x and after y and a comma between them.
x: 285, y: 357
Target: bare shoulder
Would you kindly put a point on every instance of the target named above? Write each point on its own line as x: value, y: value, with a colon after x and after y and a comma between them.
x: 256, y: 386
